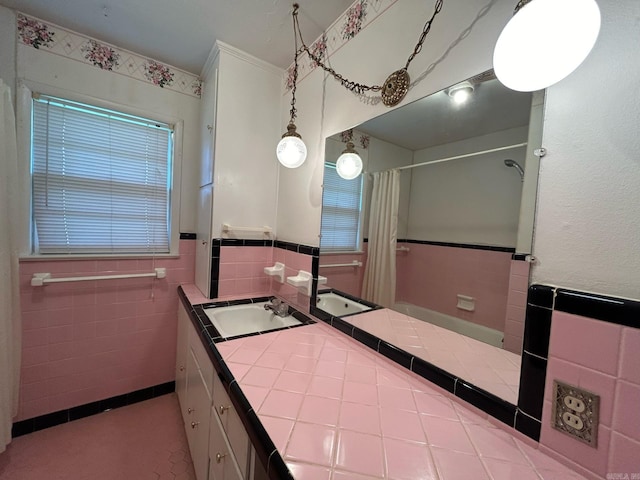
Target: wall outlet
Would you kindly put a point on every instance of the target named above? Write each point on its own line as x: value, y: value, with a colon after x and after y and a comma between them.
x: 575, y: 412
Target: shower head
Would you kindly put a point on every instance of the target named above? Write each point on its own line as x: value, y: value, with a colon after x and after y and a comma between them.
x: 516, y: 165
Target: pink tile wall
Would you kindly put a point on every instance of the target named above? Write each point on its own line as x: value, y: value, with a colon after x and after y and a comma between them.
x: 603, y: 358
x: 242, y: 271
x: 293, y: 262
x: 431, y: 276
x: 516, y: 306
x: 345, y: 279
x: 86, y: 341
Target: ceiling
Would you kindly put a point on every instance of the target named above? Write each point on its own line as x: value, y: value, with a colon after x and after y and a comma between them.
x: 182, y: 32
x: 437, y: 120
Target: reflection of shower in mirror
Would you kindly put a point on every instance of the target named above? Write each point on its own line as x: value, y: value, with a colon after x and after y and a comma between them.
x: 516, y: 165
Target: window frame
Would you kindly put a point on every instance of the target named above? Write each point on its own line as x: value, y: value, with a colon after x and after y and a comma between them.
x: 24, y: 115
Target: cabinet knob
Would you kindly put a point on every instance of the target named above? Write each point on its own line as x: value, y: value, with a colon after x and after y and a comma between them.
x: 204, y: 242
x: 194, y: 424
x: 210, y: 127
x: 189, y: 410
x: 221, y: 409
x: 181, y: 368
x: 219, y: 457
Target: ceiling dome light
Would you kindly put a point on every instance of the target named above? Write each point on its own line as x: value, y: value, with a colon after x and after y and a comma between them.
x: 461, y: 92
x: 291, y: 150
x: 349, y: 164
x: 544, y: 42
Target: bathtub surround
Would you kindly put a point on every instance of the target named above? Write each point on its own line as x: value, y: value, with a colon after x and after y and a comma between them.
x: 87, y: 341
x: 10, y: 323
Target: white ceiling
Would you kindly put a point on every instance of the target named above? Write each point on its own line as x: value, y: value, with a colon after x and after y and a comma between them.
x: 182, y: 32
x: 436, y: 120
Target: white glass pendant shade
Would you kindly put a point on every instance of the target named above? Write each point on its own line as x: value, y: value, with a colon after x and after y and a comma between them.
x: 349, y: 164
x: 291, y: 150
x: 544, y: 42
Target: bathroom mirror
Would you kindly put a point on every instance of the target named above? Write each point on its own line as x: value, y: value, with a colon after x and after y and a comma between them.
x: 467, y: 184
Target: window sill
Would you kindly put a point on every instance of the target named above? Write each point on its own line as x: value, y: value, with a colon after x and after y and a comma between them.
x: 70, y: 258
x: 355, y: 252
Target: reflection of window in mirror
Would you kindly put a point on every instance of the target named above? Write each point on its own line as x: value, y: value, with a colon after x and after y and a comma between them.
x: 341, y: 209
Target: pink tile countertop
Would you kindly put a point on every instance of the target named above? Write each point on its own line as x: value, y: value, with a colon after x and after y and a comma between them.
x: 336, y: 410
x: 492, y: 368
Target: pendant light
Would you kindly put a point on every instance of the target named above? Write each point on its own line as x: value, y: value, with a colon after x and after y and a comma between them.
x: 291, y: 150
x: 349, y: 164
x: 544, y: 42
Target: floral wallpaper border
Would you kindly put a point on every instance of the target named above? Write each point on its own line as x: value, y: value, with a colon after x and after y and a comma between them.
x: 346, y: 27
x: 47, y: 37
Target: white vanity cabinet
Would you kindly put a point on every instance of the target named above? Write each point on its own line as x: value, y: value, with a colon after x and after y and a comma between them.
x: 218, y: 441
x: 240, y: 128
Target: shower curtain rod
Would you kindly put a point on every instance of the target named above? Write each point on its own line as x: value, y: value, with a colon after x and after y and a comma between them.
x: 499, y: 149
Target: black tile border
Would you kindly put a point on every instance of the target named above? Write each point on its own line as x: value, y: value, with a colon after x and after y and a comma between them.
x: 537, y: 330
x: 530, y: 426
x: 243, y: 242
x: 520, y: 257
x: 532, y: 381
x: 187, y: 236
x: 297, y: 247
x: 472, y: 246
x: 31, y: 425
x: 478, y: 397
x: 620, y: 311
x: 541, y: 296
x: 266, y: 451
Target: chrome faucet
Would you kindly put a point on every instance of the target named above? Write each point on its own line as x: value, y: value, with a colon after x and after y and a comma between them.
x: 278, y: 307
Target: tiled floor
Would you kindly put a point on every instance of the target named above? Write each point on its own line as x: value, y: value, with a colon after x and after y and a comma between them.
x: 144, y: 441
x: 335, y: 410
x: 494, y: 369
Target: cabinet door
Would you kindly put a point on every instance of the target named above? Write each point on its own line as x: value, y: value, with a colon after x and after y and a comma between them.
x: 208, y: 127
x: 182, y: 349
x: 197, y: 425
x: 203, y: 240
x: 231, y: 425
x: 222, y: 463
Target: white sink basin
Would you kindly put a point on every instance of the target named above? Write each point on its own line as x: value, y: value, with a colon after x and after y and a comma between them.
x: 337, y: 305
x: 243, y: 319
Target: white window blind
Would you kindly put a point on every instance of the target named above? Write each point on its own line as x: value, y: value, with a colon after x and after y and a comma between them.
x: 341, y: 206
x: 100, y: 180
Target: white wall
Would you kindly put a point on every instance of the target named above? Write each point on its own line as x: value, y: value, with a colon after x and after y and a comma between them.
x: 325, y: 108
x: 588, y: 227
x: 8, y: 49
x: 472, y: 200
x: 66, y: 75
x: 588, y: 219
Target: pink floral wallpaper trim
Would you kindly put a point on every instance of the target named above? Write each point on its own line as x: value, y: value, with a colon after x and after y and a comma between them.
x: 355, y: 19
x: 36, y: 33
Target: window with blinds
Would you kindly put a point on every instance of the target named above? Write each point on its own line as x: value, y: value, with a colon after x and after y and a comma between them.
x: 101, y: 180
x: 341, y: 207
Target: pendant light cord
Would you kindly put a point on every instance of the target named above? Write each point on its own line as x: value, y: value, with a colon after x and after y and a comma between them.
x: 293, y: 112
x: 358, y: 88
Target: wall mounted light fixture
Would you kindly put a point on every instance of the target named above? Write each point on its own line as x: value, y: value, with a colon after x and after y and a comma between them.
x: 544, y: 42
x: 349, y: 164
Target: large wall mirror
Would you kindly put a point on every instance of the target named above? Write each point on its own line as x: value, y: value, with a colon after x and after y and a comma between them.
x: 458, y: 171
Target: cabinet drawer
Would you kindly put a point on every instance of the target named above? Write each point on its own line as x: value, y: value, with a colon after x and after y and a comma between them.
x: 222, y: 463
x: 204, y: 362
x: 232, y: 425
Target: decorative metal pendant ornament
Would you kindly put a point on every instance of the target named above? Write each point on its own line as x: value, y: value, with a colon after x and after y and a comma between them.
x: 395, y: 87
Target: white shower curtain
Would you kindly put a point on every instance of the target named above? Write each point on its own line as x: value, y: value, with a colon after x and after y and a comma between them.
x: 10, y: 329
x: 380, y: 274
